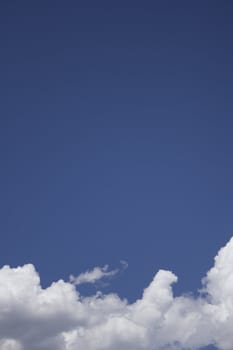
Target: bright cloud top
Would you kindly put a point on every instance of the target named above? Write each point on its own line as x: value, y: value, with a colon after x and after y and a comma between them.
x: 59, y: 318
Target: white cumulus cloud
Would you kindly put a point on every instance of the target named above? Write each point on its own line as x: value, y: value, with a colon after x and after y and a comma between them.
x: 59, y: 318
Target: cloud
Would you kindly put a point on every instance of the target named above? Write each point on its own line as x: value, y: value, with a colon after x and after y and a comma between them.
x: 59, y: 318
x: 96, y: 274
x: 92, y: 276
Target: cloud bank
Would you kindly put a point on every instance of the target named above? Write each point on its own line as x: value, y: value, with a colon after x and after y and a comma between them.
x: 59, y: 318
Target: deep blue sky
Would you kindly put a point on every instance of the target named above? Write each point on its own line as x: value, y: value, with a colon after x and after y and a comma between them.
x: 116, y: 137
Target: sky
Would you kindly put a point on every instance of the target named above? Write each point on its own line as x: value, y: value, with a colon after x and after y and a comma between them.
x: 116, y: 163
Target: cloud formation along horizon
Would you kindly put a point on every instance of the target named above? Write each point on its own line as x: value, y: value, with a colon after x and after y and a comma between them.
x: 59, y: 318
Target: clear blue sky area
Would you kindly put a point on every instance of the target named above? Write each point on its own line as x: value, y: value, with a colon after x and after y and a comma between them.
x: 116, y: 137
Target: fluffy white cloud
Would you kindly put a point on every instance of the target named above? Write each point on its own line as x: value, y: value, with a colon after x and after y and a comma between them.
x: 59, y: 318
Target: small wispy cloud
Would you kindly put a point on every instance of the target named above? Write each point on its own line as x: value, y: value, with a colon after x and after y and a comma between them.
x: 97, y: 274
x: 94, y: 275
